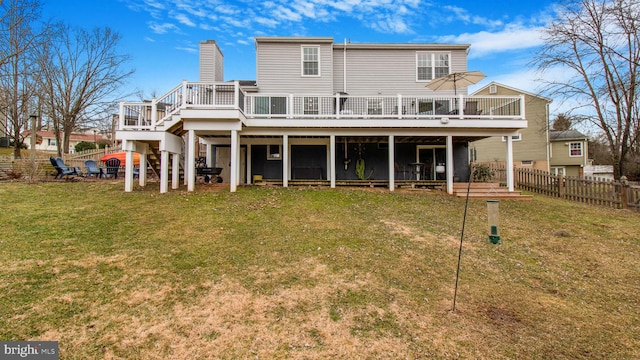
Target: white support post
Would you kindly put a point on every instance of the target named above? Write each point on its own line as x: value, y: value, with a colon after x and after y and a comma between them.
x: 154, y: 113
x: 510, y: 163
x: 249, y: 179
x: 332, y: 160
x: 238, y: 156
x: 190, y: 168
x: 235, y: 149
x: 338, y: 110
x: 285, y: 160
x: 175, y: 170
x: 164, y: 171
x: 522, y: 116
x: 121, y: 117
x: 142, y: 169
x: 185, y: 94
x: 449, y: 165
x: 460, y: 107
x: 290, y: 106
x: 128, y: 171
x: 399, y: 106
x: 392, y: 162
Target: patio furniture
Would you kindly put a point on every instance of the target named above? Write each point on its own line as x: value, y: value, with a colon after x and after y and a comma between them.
x: 113, y: 166
x: 62, y: 169
x: 93, y: 169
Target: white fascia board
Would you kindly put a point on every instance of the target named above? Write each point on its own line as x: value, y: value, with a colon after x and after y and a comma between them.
x: 373, y: 123
x: 209, y: 125
x: 132, y: 135
x: 211, y: 114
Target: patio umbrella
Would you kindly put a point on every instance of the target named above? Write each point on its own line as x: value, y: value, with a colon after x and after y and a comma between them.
x: 455, y: 80
x: 122, y: 156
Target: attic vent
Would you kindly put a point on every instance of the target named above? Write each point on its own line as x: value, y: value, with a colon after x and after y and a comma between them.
x: 493, y: 89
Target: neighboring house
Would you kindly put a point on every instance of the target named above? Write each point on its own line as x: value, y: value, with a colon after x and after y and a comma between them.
x: 530, y: 145
x: 568, y: 152
x: 46, y: 140
x: 323, y: 111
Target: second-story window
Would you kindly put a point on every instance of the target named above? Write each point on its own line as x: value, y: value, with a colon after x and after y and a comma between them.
x: 431, y: 65
x: 310, y: 61
x: 575, y: 149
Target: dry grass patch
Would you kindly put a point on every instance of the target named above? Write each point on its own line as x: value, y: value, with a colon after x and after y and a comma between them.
x: 313, y: 274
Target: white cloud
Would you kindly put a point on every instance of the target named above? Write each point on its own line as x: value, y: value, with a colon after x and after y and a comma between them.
x: 284, y: 13
x: 184, y: 20
x: 511, y: 37
x: 162, y: 28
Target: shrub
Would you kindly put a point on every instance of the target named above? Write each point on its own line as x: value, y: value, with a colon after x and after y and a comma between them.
x: 85, y: 145
x: 482, y: 173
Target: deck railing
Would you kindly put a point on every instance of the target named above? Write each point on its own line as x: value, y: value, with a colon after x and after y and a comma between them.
x: 346, y: 106
x: 148, y: 115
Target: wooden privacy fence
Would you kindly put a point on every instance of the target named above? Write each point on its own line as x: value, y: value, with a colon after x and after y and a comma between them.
x: 587, y: 190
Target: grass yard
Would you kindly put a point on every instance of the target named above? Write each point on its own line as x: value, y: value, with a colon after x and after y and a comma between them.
x: 311, y: 273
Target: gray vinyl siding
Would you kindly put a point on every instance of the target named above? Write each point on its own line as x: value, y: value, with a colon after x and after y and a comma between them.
x: 386, y: 72
x: 279, y: 69
x: 211, y: 62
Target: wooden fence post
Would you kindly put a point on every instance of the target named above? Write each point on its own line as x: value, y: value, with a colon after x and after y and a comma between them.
x: 561, y: 185
x: 624, y: 192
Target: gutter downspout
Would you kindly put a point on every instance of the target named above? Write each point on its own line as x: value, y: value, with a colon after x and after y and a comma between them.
x: 344, y: 67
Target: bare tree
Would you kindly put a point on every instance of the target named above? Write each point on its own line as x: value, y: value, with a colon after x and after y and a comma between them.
x: 596, y: 43
x: 81, y: 73
x: 19, y: 42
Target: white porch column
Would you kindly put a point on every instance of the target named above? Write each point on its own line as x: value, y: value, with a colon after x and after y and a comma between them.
x: 164, y: 171
x: 128, y: 171
x: 175, y: 170
x: 509, y: 163
x: 285, y: 160
x: 392, y: 162
x: 191, y: 161
x: 332, y: 160
x: 449, y: 165
x: 208, y: 157
x: 235, y: 149
x: 249, y: 179
x: 142, y: 170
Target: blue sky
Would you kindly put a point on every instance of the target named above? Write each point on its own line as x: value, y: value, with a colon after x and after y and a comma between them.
x: 162, y: 36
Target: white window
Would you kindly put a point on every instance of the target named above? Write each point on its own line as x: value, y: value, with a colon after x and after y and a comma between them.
x: 52, y: 142
x: 310, y: 61
x: 517, y: 137
x: 558, y: 170
x: 433, y: 107
x: 575, y: 149
x: 275, y: 105
x: 273, y: 152
x: 431, y: 65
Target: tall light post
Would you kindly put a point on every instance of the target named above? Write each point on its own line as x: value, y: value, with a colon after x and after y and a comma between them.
x: 95, y: 143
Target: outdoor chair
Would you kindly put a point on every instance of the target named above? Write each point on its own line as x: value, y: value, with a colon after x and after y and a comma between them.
x: 63, y: 170
x: 93, y: 169
x: 113, y: 166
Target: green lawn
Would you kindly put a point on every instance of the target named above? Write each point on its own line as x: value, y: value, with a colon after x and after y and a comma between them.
x: 313, y: 273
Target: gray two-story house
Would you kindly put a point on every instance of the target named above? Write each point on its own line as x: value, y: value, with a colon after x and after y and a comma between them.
x: 323, y: 111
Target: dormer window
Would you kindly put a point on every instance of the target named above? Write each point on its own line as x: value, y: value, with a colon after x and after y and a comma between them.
x: 431, y: 65
x: 310, y: 61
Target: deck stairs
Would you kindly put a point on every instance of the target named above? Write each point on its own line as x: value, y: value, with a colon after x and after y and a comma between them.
x: 487, y: 190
